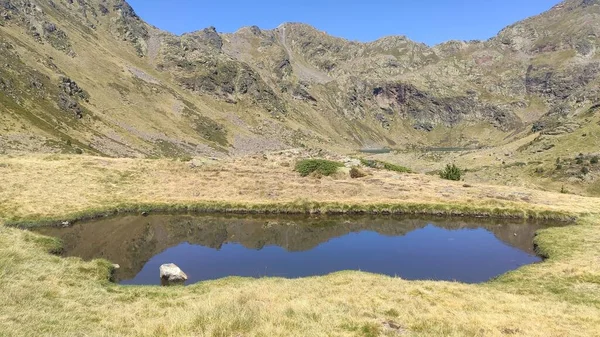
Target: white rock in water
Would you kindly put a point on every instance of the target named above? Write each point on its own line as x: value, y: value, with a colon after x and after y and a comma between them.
x: 170, y: 274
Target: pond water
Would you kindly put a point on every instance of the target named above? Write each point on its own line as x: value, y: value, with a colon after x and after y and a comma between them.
x: 376, y: 151
x: 212, y: 247
x: 448, y: 149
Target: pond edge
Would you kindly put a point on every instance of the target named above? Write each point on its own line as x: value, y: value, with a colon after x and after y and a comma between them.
x: 298, y: 207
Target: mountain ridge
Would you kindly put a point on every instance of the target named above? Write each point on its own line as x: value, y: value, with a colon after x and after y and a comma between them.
x: 152, y: 93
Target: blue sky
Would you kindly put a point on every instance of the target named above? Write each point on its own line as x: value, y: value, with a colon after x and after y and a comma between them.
x: 428, y: 21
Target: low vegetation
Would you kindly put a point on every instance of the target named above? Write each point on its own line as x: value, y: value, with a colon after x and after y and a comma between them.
x: 451, y: 172
x: 378, y: 164
x: 321, y: 166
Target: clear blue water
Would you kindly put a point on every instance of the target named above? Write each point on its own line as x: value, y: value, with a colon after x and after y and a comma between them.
x: 213, y: 248
x: 431, y: 253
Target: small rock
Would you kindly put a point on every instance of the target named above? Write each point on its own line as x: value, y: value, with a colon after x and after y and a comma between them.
x: 171, y: 275
x: 66, y: 224
x: 394, y: 327
x: 116, y: 266
x: 351, y: 162
x: 145, y: 214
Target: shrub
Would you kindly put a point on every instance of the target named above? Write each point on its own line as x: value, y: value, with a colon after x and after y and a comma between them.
x: 451, y: 172
x: 355, y: 173
x: 594, y: 160
x: 321, y: 166
x: 384, y: 165
x: 585, y: 170
x: 78, y: 151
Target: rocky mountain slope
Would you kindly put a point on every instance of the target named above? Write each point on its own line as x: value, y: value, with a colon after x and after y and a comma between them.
x: 91, y: 76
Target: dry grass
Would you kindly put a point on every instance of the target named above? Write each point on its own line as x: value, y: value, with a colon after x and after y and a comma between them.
x: 49, y: 186
x: 45, y: 295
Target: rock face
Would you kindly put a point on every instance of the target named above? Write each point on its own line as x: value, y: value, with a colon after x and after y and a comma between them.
x: 171, y: 275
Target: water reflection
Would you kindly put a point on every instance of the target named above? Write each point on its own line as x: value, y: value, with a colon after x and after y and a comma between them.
x: 210, y: 247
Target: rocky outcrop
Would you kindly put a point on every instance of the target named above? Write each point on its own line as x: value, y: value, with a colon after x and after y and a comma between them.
x: 231, y: 81
x: 70, y: 87
x: 207, y: 37
x: 68, y: 104
x: 130, y: 27
x: 56, y: 37
x: 553, y: 83
x: 408, y: 102
x: 68, y: 98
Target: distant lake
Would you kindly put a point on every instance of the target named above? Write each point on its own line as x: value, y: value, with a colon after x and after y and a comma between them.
x: 376, y: 151
x: 213, y: 247
x: 449, y: 149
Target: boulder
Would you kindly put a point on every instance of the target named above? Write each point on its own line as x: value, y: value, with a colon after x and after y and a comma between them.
x: 171, y: 275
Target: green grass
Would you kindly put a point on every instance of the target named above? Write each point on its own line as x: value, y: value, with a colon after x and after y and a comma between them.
x: 378, y: 164
x: 322, y: 166
x: 296, y: 207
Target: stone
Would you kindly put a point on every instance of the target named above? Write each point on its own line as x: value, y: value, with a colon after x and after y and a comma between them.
x: 351, y: 162
x: 171, y: 274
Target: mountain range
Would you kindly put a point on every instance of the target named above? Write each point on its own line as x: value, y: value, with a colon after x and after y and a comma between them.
x: 91, y: 76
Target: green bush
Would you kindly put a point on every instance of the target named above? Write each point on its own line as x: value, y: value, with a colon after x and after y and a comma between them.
x: 451, y: 172
x: 384, y: 165
x: 322, y: 166
x: 585, y: 170
x: 594, y: 160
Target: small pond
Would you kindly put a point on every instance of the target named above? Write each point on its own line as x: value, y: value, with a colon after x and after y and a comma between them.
x: 212, y: 247
x: 449, y: 149
x: 376, y: 151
